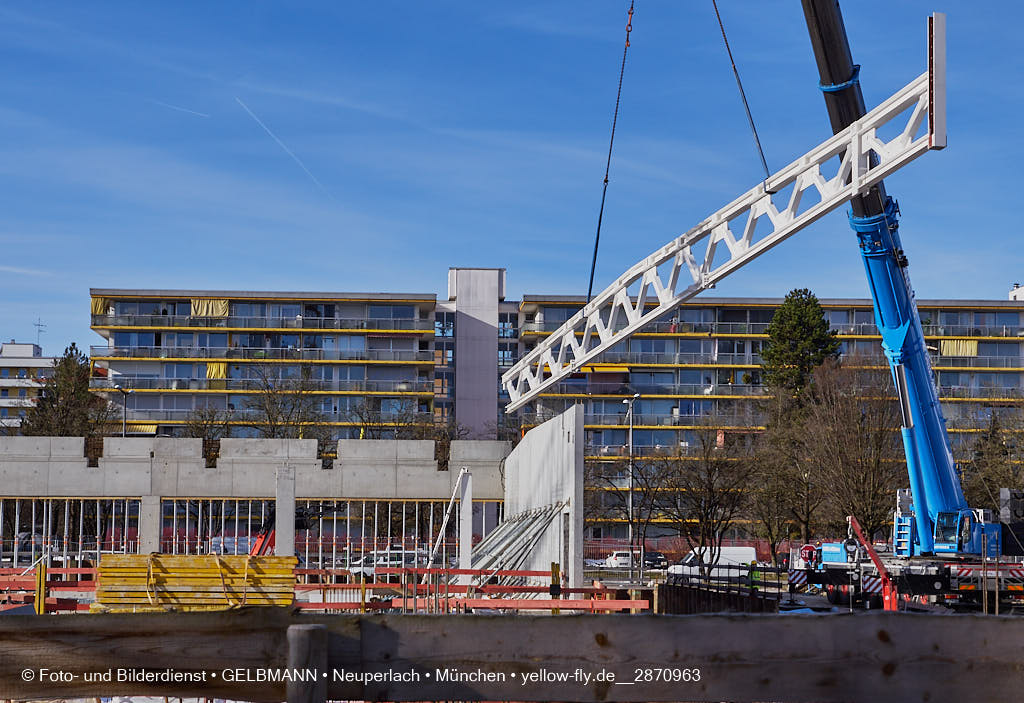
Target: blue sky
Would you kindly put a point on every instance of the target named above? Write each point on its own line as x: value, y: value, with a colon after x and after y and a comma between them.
x: 407, y: 137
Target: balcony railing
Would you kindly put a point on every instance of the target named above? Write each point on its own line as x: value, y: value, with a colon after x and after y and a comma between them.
x: 243, y: 384
x: 627, y: 389
x: 244, y: 416
x: 671, y: 327
x: 201, y: 353
x: 991, y: 362
x: 297, y: 322
x: 739, y: 417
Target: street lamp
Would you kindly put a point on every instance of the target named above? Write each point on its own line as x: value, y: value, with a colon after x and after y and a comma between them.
x: 629, y: 496
x: 124, y: 419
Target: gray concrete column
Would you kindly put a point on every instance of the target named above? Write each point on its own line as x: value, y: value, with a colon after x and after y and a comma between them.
x: 466, y: 524
x: 284, y: 516
x: 150, y: 524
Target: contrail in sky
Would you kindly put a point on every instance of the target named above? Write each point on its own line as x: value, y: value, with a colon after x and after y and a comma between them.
x: 288, y: 151
x: 180, y: 109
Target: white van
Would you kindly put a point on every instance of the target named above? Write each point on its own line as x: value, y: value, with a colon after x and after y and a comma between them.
x: 725, y: 567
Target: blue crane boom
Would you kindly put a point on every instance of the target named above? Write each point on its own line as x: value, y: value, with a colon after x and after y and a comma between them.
x: 938, y: 519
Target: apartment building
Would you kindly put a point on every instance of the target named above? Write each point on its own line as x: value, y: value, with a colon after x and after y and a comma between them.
x: 390, y: 353
x: 168, y: 353
x: 23, y: 368
x: 704, y: 360
x: 389, y: 358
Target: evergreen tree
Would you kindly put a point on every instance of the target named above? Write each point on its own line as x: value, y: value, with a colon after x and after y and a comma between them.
x: 65, y: 407
x: 799, y: 340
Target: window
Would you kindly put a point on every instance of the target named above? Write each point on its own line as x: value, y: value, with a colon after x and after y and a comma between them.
x: 553, y: 315
x: 444, y: 324
x: 3, y: 412
x: 22, y: 393
x: 1007, y: 319
x: 507, y: 322
x: 5, y: 373
x: 3, y: 392
x: 652, y: 346
x: 351, y: 343
x: 998, y: 349
x: 391, y: 343
x: 732, y: 315
x: 863, y: 317
x: 249, y: 309
x: 444, y: 353
x: 838, y: 319
x: 732, y: 346
x: 507, y: 353
x: 392, y: 312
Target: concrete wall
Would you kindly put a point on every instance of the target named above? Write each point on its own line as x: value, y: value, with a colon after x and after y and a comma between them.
x: 547, y: 468
x: 246, y: 468
x: 476, y: 293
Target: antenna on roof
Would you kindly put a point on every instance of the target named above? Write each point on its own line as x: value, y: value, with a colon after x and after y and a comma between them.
x: 40, y: 328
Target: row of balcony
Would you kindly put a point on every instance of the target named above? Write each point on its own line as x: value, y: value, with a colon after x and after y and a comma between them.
x: 859, y: 329
x: 296, y: 322
x: 245, y: 384
x: 243, y: 416
x: 257, y: 354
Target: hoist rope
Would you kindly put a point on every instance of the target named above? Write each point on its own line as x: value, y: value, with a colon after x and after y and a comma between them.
x: 743, y: 95
x: 611, y: 141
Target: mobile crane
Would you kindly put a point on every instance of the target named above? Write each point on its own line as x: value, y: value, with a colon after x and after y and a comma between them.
x: 934, y: 517
x: 934, y: 528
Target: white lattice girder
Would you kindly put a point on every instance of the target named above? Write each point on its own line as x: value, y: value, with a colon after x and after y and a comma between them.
x: 680, y: 270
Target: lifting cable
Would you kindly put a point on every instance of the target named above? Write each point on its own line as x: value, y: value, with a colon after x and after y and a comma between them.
x: 743, y: 96
x: 608, y: 164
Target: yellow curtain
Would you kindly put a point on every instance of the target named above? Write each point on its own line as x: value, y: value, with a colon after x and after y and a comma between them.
x: 958, y: 347
x: 216, y: 369
x: 202, y: 307
x: 100, y: 306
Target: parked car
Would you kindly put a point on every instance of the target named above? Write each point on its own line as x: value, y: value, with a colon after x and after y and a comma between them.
x: 655, y: 561
x: 621, y: 560
x: 732, y: 564
x: 366, y: 567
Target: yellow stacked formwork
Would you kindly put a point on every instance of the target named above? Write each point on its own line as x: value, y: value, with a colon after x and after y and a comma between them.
x: 160, y: 582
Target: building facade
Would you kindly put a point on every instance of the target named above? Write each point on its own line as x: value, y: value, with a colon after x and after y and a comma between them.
x: 23, y: 368
x: 413, y: 358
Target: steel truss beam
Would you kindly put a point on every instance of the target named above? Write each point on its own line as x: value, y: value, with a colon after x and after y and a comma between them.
x: 697, y: 260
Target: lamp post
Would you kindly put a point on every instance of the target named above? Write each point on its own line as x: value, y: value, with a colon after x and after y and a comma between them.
x: 124, y: 417
x: 629, y: 496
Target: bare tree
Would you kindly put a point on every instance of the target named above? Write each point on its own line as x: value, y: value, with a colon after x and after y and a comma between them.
x: 769, y: 501
x: 608, y: 493
x: 208, y: 423
x: 284, y: 408
x: 993, y: 461
x: 852, y: 439
x: 441, y: 432
x: 783, y: 461
x: 706, y: 492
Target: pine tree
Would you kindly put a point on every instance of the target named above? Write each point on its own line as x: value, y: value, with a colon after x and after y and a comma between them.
x: 799, y: 340
x: 65, y: 407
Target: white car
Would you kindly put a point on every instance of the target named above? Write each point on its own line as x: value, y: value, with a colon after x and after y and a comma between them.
x: 733, y: 563
x: 621, y: 560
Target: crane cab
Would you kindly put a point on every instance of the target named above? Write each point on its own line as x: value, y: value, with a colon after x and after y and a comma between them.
x: 967, y: 532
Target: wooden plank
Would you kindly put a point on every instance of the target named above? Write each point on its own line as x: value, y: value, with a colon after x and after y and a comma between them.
x: 307, y: 649
x: 878, y: 657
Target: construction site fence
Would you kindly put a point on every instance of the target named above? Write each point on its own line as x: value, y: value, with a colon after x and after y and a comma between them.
x: 695, y: 599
